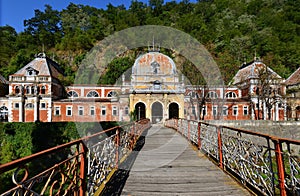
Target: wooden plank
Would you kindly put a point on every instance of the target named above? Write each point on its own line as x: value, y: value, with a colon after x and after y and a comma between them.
x: 168, y: 165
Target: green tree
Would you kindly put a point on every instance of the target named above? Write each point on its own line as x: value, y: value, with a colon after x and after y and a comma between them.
x: 115, y: 69
x: 8, y: 36
x: 45, y: 26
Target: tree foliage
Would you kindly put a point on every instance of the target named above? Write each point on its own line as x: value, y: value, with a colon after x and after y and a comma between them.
x: 232, y: 30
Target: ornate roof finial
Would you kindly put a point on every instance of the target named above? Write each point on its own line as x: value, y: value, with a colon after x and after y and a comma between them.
x: 153, y: 43
x: 153, y: 49
x: 255, y: 57
x: 42, y: 54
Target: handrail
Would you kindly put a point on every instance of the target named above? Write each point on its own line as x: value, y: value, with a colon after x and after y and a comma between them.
x: 266, y: 164
x: 85, y: 165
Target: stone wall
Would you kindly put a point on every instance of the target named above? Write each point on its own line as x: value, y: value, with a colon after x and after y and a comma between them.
x: 283, y: 129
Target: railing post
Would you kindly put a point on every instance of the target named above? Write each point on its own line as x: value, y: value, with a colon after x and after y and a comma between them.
x: 199, y: 132
x: 176, y: 121
x: 133, y: 135
x: 117, y: 147
x: 181, y: 126
x: 189, y: 130
x: 219, y: 129
x: 83, y: 171
x: 280, y: 166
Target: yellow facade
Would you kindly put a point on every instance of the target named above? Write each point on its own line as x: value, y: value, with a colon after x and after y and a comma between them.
x: 164, y: 99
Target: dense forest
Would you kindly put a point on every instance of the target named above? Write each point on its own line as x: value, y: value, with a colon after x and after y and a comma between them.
x: 22, y: 139
x: 233, y: 31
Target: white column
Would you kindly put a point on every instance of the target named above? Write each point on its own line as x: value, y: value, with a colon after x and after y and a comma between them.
x: 252, y: 112
x: 81, y: 92
x: 49, y: 113
x: 265, y: 111
x: 276, y: 112
x: 9, y: 107
x: 36, y: 109
x: 21, y: 111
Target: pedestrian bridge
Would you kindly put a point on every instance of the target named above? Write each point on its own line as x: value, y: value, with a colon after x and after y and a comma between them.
x: 181, y: 157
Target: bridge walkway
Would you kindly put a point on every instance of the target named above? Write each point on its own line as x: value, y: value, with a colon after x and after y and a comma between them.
x: 168, y: 165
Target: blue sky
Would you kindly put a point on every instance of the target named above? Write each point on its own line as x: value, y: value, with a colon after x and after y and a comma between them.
x: 14, y: 12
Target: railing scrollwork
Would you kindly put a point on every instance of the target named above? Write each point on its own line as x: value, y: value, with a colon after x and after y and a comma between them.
x: 265, y: 164
x: 78, y: 167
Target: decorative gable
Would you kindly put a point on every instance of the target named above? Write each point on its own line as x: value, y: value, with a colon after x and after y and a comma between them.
x: 31, y: 72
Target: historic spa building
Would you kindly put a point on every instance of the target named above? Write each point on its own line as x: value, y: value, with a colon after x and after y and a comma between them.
x: 155, y: 90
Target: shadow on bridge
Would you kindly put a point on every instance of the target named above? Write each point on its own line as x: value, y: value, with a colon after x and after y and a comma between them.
x: 163, y: 163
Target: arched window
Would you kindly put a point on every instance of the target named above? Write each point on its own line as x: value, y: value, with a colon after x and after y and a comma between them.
x: 92, y: 94
x: 112, y: 94
x: 3, y: 109
x: 230, y: 95
x: 17, y: 90
x: 212, y: 95
x: 29, y: 105
x: 43, y: 90
x: 193, y: 94
x: 72, y: 94
x: 27, y: 90
x: 3, y: 113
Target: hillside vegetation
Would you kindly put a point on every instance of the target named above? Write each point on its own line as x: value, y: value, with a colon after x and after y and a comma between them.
x: 233, y: 31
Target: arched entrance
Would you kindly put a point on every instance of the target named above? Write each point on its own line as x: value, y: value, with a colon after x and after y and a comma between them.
x: 140, y: 110
x: 157, y: 112
x: 298, y: 113
x: 173, y: 110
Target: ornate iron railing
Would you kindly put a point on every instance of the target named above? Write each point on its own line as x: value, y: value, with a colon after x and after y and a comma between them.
x: 79, y: 167
x: 265, y: 164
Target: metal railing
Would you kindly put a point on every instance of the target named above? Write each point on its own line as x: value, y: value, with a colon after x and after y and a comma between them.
x: 79, y: 167
x: 266, y: 164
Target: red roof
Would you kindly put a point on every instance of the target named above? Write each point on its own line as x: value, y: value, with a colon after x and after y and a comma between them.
x: 294, y: 78
x: 44, y: 66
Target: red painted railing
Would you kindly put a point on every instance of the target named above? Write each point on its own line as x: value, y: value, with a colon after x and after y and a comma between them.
x: 79, y: 167
x: 265, y: 164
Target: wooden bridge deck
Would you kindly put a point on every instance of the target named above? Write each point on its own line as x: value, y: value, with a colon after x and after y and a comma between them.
x: 168, y: 165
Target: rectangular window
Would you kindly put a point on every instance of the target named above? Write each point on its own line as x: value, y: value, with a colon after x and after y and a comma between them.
x: 69, y: 111
x: 80, y: 110
x: 225, y: 111
x: 235, y: 110
x: 215, y: 110
x: 193, y: 110
x: 43, y: 105
x: 92, y: 110
x: 257, y: 105
x: 56, y: 110
x: 17, y: 105
x: 245, y: 110
x: 203, y: 110
x: 103, y: 110
x: 115, y: 111
x: 126, y: 111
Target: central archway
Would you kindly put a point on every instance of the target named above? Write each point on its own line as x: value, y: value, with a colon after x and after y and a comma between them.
x: 173, y: 110
x: 140, y: 109
x: 157, y: 112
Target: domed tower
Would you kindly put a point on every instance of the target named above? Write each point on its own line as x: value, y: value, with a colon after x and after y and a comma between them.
x: 156, y: 91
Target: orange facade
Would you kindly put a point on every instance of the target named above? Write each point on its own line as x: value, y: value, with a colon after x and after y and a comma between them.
x: 35, y: 94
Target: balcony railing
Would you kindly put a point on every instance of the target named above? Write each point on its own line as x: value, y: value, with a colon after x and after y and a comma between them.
x: 266, y: 164
x: 79, y: 167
